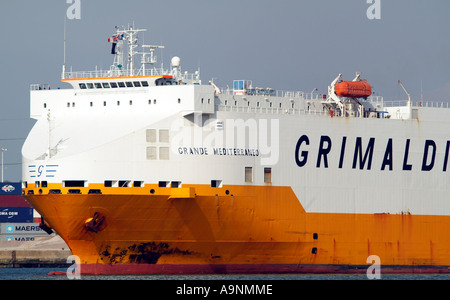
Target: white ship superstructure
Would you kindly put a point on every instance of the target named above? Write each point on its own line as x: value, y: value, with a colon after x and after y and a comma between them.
x: 131, y: 127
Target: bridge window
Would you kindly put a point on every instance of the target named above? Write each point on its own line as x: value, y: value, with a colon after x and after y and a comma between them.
x: 137, y: 84
x: 106, y: 85
x: 90, y: 85
x: 82, y: 86
x: 121, y: 84
x: 144, y: 83
x: 129, y: 84
x: 113, y: 85
x: 98, y: 85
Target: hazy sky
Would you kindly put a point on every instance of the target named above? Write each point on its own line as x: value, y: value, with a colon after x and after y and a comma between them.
x: 282, y: 44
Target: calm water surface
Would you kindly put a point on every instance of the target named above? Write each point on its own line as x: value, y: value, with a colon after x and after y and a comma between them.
x: 42, y: 274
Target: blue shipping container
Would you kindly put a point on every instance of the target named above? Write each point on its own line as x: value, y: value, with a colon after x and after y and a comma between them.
x: 10, y: 188
x: 16, y: 215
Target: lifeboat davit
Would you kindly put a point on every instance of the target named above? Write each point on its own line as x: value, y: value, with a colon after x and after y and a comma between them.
x: 353, y: 89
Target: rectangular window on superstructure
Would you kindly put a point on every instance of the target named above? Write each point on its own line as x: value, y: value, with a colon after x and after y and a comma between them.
x: 164, y: 153
x: 129, y: 84
x: 121, y: 84
x: 151, y: 153
x: 82, y: 86
x: 248, y: 175
x: 163, y: 135
x: 114, y: 85
x: 98, y: 85
x: 90, y: 85
x: 137, y: 83
x: 105, y: 85
x: 151, y: 135
x: 144, y: 83
x: 267, y: 175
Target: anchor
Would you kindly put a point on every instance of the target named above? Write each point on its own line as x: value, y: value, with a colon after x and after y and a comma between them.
x: 93, y: 224
x: 43, y: 225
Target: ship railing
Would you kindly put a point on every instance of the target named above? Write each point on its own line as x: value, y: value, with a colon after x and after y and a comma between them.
x: 280, y: 94
x: 194, y: 77
x: 432, y: 104
x: 396, y: 103
x: 113, y: 73
x: 270, y: 110
x: 39, y: 87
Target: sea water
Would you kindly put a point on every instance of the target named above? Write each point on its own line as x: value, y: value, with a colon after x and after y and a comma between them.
x: 43, y: 274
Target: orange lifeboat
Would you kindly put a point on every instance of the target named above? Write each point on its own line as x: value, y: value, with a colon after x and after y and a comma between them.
x: 353, y: 89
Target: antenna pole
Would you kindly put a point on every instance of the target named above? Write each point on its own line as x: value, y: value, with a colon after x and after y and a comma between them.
x: 64, y: 64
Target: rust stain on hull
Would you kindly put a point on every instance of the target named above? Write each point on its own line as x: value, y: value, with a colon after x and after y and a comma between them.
x: 141, y: 253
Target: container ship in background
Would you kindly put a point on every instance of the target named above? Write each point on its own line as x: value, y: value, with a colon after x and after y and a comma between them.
x: 143, y: 170
x: 18, y: 221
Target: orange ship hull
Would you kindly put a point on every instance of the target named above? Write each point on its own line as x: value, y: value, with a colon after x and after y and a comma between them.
x: 234, y: 229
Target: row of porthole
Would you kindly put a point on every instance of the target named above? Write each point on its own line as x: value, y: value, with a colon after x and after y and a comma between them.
x: 118, y: 103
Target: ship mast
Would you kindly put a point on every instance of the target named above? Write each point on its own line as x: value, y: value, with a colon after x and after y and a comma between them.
x: 129, y: 35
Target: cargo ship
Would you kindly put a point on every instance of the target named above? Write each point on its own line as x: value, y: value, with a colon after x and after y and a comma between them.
x: 146, y: 170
